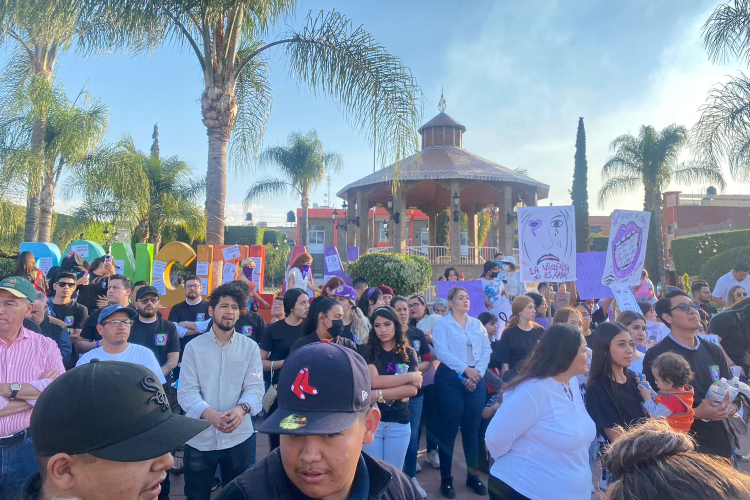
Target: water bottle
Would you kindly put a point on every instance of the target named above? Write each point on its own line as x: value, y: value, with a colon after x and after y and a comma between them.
x: 642, y: 382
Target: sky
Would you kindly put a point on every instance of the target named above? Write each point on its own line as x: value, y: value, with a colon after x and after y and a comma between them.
x: 516, y: 73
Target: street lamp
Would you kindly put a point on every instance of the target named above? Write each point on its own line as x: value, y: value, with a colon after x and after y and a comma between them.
x: 708, y: 246
x: 395, y: 216
x: 456, y: 200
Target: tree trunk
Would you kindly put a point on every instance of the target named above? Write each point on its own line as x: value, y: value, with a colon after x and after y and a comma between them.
x: 47, y: 206
x: 156, y: 241
x: 142, y: 231
x: 303, y: 219
x: 654, y: 246
x: 659, y: 239
x: 38, y: 132
x: 219, y: 111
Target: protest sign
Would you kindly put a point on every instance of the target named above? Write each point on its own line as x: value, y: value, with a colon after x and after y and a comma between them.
x: 201, y: 268
x: 231, y: 252
x: 626, y: 249
x: 589, y: 270
x: 546, y: 241
x: 230, y: 272
x: 656, y: 331
x: 158, y: 269
x: 82, y: 250
x: 714, y: 339
x: 159, y: 285
x: 332, y: 265
x: 352, y: 254
x: 625, y: 298
x: 45, y: 264
x: 473, y: 288
x: 502, y: 309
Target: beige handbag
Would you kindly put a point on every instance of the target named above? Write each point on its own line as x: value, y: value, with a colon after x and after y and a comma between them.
x: 270, y: 396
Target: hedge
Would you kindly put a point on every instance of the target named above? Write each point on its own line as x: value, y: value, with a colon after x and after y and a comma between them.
x: 688, y: 260
x: 406, y: 274
x: 243, y: 235
x: 273, y: 236
x: 7, y: 266
x: 720, y: 265
x: 599, y: 244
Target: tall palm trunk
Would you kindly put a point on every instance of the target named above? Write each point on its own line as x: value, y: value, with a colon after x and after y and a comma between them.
x: 47, y: 205
x: 659, y: 237
x: 38, y: 131
x: 654, y: 246
x: 142, y: 231
x: 303, y: 220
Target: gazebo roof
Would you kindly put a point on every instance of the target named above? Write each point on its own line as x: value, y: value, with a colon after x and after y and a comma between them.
x: 448, y: 162
x: 442, y: 120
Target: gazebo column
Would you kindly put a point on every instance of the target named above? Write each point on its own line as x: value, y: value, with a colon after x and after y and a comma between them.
x: 351, y: 229
x: 471, y: 212
x: 397, y: 231
x: 532, y: 199
x: 432, y: 224
x: 505, y: 231
x: 364, y: 221
x: 455, y: 225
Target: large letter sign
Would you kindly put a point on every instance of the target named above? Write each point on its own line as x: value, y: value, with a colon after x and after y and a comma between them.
x: 169, y: 254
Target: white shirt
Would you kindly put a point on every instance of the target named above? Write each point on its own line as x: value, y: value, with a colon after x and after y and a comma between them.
x: 540, y: 441
x: 493, y: 289
x: 450, y: 342
x: 299, y: 281
x: 220, y: 377
x: 726, y: 282
x: 514, y: 286
x: 133, y: 353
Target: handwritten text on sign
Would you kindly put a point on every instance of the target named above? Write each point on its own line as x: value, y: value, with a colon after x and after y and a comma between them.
x: 590, y: 267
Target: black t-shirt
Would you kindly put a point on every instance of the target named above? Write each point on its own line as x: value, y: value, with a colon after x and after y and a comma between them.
x: 89, y: 331
x: 709, y: 365
x: 160, y: 336
x: 394, y: 364
x: 597, y: 318
x: 516, y: 344
x: 185, y: 312
x: 313, y: 337
x: 94, y: 295
x: 711, y: 310
x: 611, y: 404
x: 420, y: 345
x: 72, y: 314
x: 734, y: 339
x: 278, y: 340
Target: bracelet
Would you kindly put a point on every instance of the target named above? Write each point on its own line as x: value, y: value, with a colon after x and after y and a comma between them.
x: 96, y: 343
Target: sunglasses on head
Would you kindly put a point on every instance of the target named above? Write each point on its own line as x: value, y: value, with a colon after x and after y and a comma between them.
x: 687, y: 307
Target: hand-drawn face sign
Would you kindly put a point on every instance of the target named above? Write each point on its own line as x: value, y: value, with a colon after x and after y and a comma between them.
x: 547, y: 236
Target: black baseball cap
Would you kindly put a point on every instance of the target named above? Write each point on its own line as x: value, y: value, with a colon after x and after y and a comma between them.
x: 111, y: 410
x: 322, y: 389
x: 146, y: 290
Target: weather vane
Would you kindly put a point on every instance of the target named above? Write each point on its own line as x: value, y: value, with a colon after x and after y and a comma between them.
x: 441, y: 103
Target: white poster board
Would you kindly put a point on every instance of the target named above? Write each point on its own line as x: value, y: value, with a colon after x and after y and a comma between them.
x: 201, y: 269
x: 626, y: 249
x: 625, y: 298
x: 232, y: 252
x: 547, y: 243
x: 158, y: 269
x: 230, y: 272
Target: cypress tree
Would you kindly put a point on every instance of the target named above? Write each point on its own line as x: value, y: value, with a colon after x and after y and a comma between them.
x: 579, y: 192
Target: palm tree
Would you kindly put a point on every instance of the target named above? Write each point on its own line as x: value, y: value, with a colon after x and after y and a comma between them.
x: 722, y: 132
x: 650, y: 162
x: 122, y: 185
x: 39, y: 31
x: 303, y: 165
x: 230, y: 41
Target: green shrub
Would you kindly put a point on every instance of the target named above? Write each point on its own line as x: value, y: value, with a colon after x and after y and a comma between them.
x: 272, y: 236
x: 720, y: 265
x: 688, y: 260
x: 7, y: 266
x: 406, y: 274
x: 276, y: 262
x: 599, y: 244
x: 243, y: 235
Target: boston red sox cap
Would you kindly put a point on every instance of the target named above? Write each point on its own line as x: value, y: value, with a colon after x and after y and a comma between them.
x: 111, y: 410
x: 322, y: 389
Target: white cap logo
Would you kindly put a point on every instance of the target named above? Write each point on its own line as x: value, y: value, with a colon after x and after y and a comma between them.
x: 364, y: 395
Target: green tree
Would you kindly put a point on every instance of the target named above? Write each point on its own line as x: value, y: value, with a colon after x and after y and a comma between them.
x: 650, y: 162
x: 580, y: 191
x: 328, y: 56
x: 302, y: 164
x: 122, y: 185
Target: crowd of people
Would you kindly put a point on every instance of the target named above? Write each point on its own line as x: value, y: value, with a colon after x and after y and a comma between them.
x: 347, y: 379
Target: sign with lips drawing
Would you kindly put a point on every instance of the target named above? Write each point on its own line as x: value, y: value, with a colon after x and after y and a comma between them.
x: 626, y: 249
x: 547, y: 243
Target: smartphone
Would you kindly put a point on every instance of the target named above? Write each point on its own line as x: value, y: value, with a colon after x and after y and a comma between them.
x: 108, y: 259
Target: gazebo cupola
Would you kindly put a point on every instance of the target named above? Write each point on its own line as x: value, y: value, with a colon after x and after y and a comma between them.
x: 443, y: 130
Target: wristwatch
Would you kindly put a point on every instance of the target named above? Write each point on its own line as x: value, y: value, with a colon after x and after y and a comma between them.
x: 14, y: 388
x: 245, y: 407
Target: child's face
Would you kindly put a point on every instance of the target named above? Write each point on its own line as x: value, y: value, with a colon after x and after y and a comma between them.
x: 491, y: 328
x: 663, y: 385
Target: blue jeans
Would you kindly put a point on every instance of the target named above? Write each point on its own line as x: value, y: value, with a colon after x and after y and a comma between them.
x: 415, y: 415
x: 458, y: 408
x: 391, y: 441
x: 17, y: 465
x: 200, y: 467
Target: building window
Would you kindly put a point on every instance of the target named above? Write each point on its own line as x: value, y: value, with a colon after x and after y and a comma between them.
x: 425, y: 237
x: 669, y: 253
x: 670, y: 229
x: 317, y: 235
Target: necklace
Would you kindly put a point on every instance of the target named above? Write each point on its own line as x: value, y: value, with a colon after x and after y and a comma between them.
x: 567, y: 390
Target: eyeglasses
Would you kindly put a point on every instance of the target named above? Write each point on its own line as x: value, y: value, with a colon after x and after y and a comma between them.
x: 740, y: 294
x: 189, y: 287
x: 118, y: 322
x: 687, y: 307
x: 153, y: 300
x: 414, y: 305
x: 65, y: 284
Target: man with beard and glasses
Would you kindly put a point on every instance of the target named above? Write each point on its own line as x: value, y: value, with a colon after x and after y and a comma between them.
x: 221, y: 380
x: 157, y: 334
x: 112, y: 444
x: 119, y: 288
x: 193, y: 309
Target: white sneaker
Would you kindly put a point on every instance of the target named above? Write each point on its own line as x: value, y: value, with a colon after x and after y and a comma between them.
x: 419, y: 489
x: 419, y: 467
x: 433, y: 459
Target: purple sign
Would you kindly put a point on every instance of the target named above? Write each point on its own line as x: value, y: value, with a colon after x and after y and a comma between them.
x: 474, y: 289
x: 332, y: 265
x: 542, y: 321
x: 352, y: 254
x: 589, y: 271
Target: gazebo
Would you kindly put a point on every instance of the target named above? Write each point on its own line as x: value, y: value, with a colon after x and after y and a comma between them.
x: 442, y: 176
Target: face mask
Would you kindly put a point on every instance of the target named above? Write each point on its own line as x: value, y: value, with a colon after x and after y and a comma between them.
x: 248, y: 272
x: 337, y: 327
x: 306, y: 268
x: 506, y: 267
x: 494, y: 274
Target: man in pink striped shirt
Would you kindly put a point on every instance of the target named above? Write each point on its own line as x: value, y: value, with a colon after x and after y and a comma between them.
x: 28, y: 364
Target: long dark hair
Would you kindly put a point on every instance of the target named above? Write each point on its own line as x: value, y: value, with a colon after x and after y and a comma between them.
x: 25, y: 265
x: 374, y: 348
x: 290, y: 299
x: 447, y: 273
x: 601, y: 360
x: 320, y: 304
x: 371, y: 295
x: 552, y: 356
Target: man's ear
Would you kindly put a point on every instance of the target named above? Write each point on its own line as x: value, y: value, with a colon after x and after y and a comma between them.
x: 372, y: 420
x: 100, y: 329
x: 60, y: 472
x: 211, y: 311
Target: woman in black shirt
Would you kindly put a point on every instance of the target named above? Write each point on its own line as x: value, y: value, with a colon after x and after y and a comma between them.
x: 520, y: 335
x: 733, y: 329
x: 395, y: 375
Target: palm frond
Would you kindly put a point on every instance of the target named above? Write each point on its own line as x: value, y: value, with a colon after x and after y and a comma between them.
x: 267, y: 187
x: 692, y: 173
x: 617, y: 186
x: 726, y: 33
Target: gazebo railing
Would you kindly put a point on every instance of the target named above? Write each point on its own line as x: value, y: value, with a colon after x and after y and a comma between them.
x: 477, y: 255
x: 380, y: 250
x: 435, y: 254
